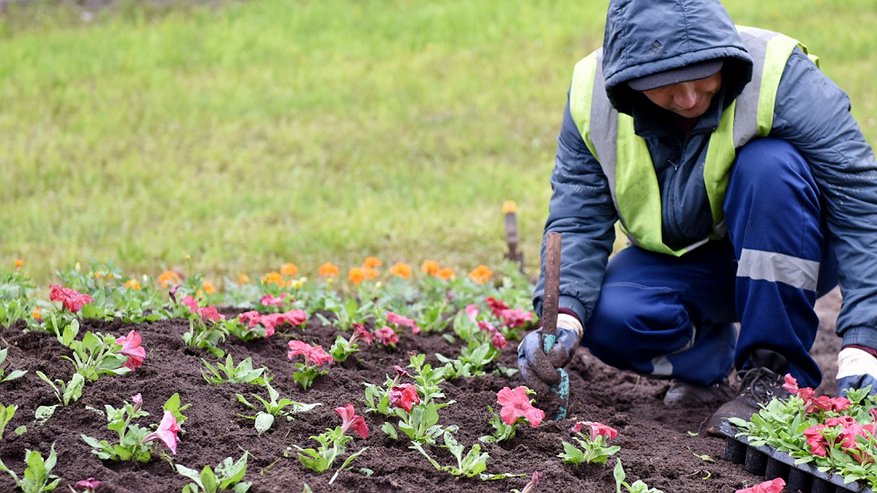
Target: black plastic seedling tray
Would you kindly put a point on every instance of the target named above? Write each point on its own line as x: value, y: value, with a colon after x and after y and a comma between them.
x: 771, y: 463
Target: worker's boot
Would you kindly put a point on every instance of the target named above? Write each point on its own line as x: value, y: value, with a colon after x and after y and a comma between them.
x: 683, y: 394
x: 758, y: 385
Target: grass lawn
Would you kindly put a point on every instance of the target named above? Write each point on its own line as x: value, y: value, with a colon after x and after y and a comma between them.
x: 256, y: 133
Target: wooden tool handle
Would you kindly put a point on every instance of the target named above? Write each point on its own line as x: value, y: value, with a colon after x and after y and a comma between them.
x: 552, y: 283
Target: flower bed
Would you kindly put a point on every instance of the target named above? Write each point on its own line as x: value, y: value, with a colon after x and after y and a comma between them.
x: 237, y: 392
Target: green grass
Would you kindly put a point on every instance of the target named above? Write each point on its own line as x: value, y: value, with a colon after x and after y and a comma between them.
x: 263, y: 132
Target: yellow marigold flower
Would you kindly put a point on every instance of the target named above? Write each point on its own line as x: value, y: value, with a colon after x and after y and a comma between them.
x: 208, y: 287
x: 329, y: 270
x: 37, y: 313
x: 132, y: 284
x: 289, y: 269
x: 509, y: 206
x: 356, y: 275
x: 430, y: 267
x: 169, y: 279
x: 243, y: 278
x: 445, y: 273
x: 297, y: 283
x: 371, y: 262
x: 273, y: 277
x: 401, y: 270
x: 19, y: 263
x: 481, y: 274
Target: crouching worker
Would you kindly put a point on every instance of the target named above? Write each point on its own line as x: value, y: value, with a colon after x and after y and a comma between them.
x: 746, y: 189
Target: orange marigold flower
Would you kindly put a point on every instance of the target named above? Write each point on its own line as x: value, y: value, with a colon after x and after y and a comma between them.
x: 243, y: 278
x: 371, y: 262
x: 19, y: 263
x: 509, y: 206
x: 401, y: 270
x: 169, y: 279
x: 37, y: 313
x: 273, y: 277
x: 329, y: 270
x: 356, y: 275
x: 430, y: 267
x: 371, y: 274
x: 132, y: 284
x: 208, y: 287
x: 289, y: 269
x: 445, y: 274
x: 481, y: 274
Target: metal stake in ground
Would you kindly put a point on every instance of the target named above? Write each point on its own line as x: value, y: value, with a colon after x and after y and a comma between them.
x: 549, y: 315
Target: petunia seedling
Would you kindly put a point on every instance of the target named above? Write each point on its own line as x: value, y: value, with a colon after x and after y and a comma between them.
x: 515, y: 407
x: 637, y: 486
x: 228, y: 476
x: 333, y: 443
x: 229, y: 373
x: 315, y: 364
x: 37, y: 476
x: 343, y: 348
x: 12, y: 375
x: 592, y: 447
x: 271, y: 408
x: 134, y: 440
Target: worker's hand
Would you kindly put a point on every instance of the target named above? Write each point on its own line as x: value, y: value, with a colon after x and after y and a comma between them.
x: 538, y: 369
x: 856, y: 369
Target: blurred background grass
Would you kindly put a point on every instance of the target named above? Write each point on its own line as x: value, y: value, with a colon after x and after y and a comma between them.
x: 248, y: 134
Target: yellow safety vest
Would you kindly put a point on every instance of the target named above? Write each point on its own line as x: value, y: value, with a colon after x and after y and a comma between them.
x: 624, y: 156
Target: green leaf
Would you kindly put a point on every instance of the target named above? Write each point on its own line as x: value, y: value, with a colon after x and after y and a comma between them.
x: 264, y: 421
x: 73, y: 390
x: 208, y: 479
x: 43, y: 413
x: 189, y: 473
x: 389, y: 430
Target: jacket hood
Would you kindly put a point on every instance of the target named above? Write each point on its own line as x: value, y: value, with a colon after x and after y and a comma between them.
x: 644, y: 37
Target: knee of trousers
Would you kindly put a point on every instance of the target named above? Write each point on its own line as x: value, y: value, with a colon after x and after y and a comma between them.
x: 632, y: 324
x: 772, y: 165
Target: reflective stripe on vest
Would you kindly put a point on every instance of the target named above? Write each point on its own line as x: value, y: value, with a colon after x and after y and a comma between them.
x: 624, y: 156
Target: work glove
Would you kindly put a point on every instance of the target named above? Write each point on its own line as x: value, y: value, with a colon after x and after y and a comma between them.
x: 538, y: 369
x: 856, y: 369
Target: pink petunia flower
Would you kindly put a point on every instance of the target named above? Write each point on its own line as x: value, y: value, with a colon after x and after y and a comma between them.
x: 400, y: 321
x: 315, y: 355
x: 360, y: 332
x: 349, y: 420
x: 816, y: 441
x: 496, y: 337
x: 596, y: 429
x: 89, y: 484
x: 516, y: 404
x: 472, y: 312
x: 401, y: 372
x: 132, y: 349
x: 775, y: 485
x: 511, y: 318
x: 137, y: 400
x: 206, y: 313
x: 404, y: 396
x: 387, y: 336
x: 167, y: 432
x: 271, y: 300
x: 71, y: 299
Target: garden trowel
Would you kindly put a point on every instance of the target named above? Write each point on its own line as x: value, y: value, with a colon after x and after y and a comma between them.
x: 549, y: 316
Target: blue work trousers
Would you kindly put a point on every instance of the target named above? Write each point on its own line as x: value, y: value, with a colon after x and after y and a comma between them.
x: 674, y: 317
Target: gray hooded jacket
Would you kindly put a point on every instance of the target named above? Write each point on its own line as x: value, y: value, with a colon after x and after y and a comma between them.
x: 644, y: 37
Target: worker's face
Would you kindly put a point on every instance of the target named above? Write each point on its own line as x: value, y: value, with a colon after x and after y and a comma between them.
x: 687, y: 99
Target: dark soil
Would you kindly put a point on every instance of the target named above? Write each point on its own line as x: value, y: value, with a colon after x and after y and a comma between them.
x: 657, y: 444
